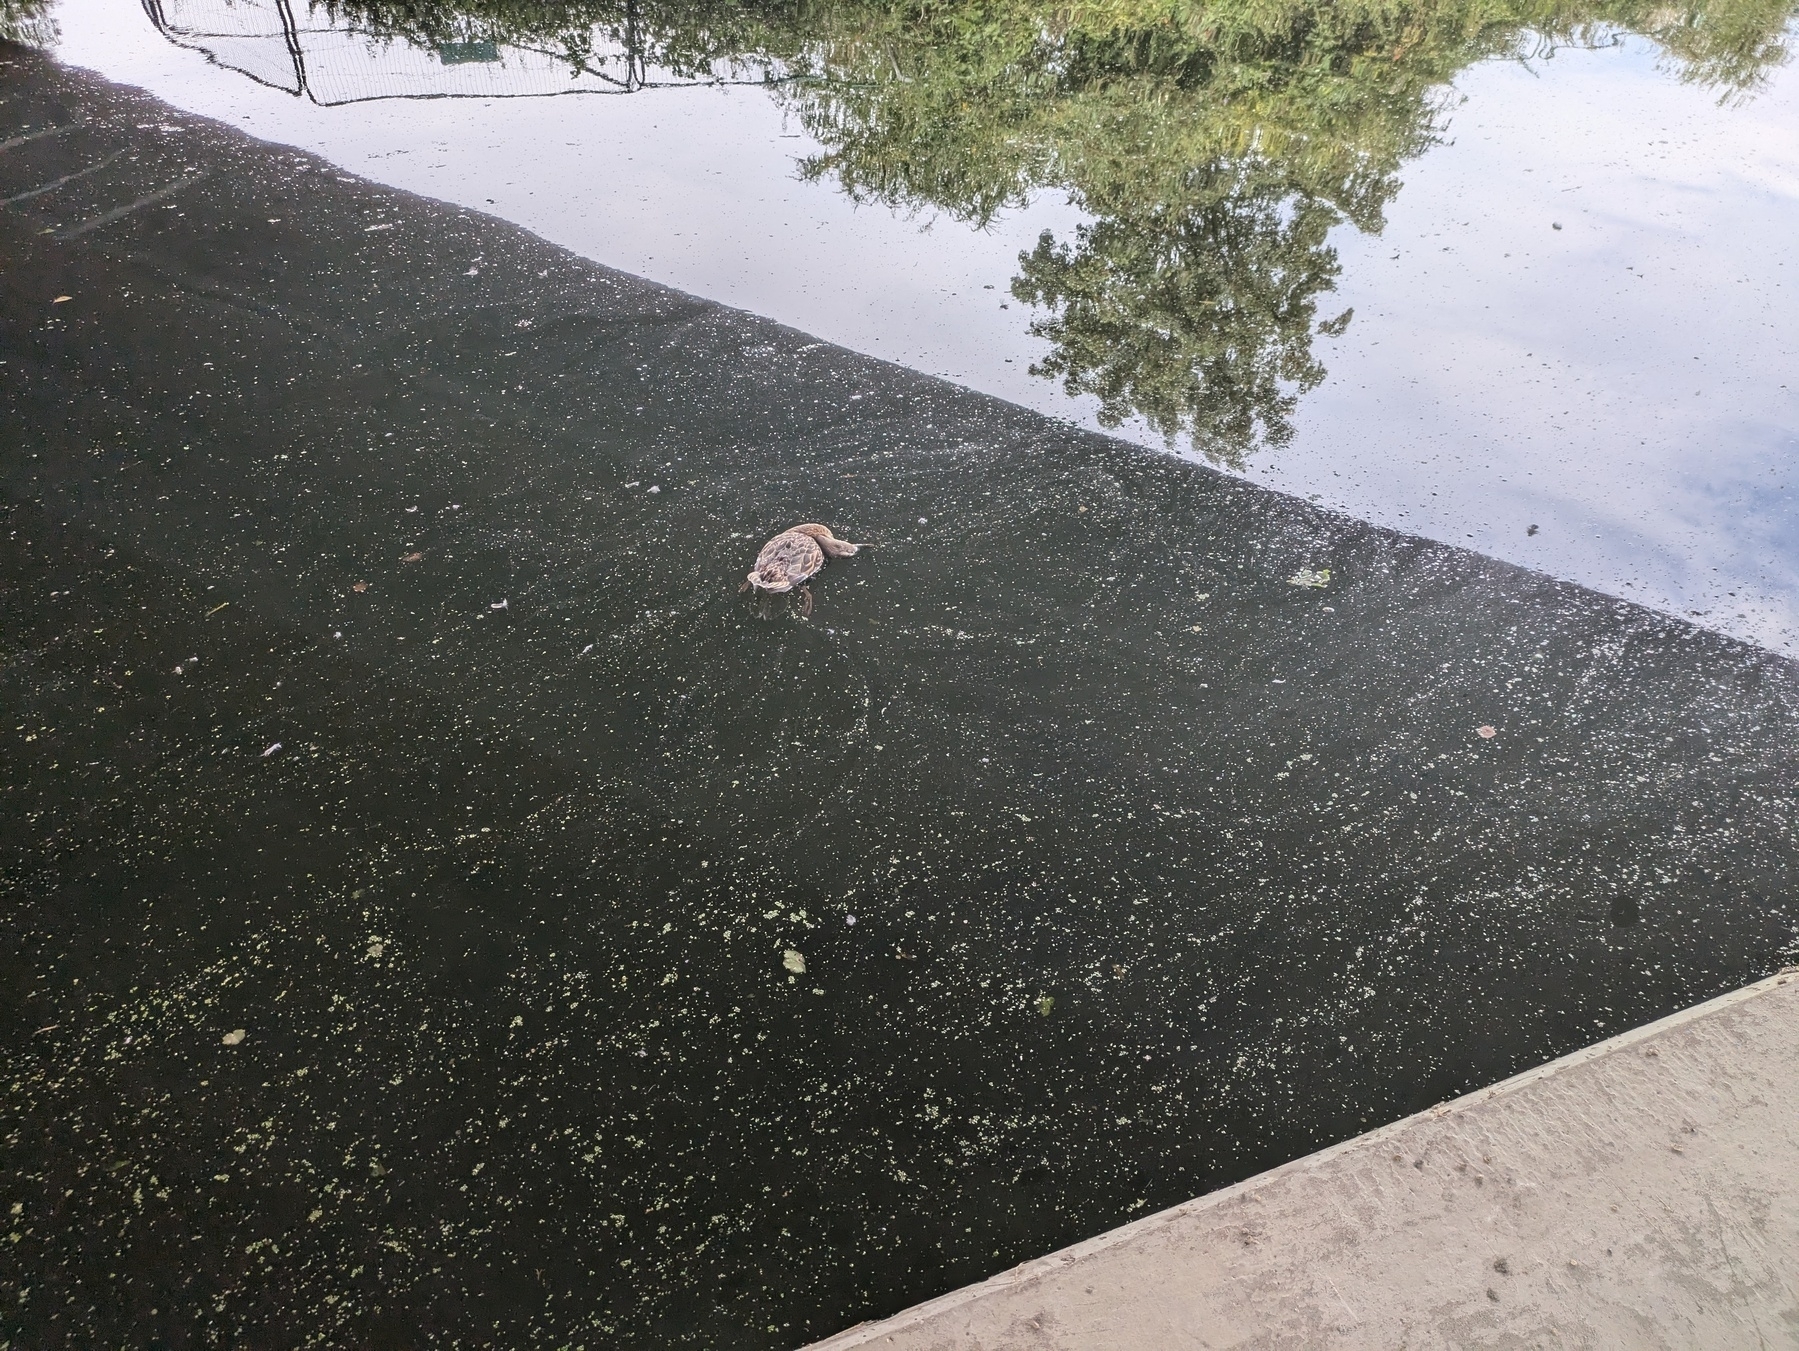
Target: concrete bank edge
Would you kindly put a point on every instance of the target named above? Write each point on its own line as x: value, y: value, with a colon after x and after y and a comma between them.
x: 863, y: 1334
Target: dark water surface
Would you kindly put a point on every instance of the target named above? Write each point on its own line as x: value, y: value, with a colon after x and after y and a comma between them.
x: 1165, y: 864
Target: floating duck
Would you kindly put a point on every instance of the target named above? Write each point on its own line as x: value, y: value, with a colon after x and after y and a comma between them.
x: 792, y: 558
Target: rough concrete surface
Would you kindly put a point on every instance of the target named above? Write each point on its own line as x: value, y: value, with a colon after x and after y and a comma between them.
x: 1641, y: 1193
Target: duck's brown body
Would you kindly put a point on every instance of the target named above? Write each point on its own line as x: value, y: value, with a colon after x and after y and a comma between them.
x: 794, y: 557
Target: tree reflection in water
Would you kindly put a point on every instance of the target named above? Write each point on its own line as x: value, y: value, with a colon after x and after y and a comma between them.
x: 27, y: 22
x: 1213, y: 144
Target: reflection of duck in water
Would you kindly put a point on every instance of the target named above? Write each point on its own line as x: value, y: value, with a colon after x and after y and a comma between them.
x: 794, y: 557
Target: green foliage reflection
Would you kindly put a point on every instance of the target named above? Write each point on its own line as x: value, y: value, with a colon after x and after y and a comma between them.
x: 1213, y: 144
x: 27, y: 22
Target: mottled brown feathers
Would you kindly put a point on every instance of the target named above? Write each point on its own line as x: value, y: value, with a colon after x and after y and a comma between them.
x: 794, y: 556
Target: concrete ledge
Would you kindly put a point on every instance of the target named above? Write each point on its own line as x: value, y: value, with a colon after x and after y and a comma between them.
x: 1643, y: 1192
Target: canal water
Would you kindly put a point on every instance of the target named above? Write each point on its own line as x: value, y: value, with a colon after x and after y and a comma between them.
x: 1543, y: 326
x: 442, y: 910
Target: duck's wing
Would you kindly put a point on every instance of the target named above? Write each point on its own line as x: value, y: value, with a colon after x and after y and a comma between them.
x: 790, y: 557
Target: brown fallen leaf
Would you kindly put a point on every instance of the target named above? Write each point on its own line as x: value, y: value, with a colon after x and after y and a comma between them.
x: 359, y: 586
x: 60, y: 299
x: 1485, y: 733
x: 413, y: 558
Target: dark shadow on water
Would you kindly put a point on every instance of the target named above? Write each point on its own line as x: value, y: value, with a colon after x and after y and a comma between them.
x: 362, y: 698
